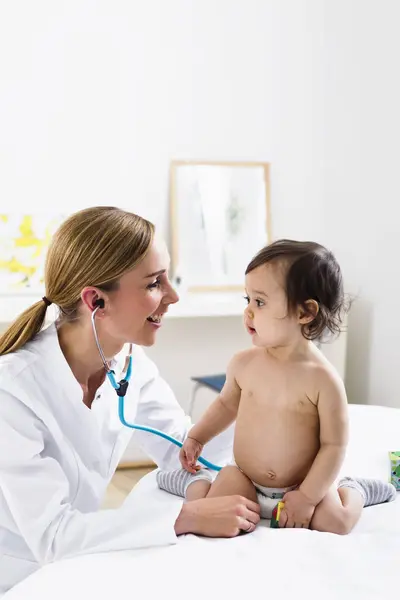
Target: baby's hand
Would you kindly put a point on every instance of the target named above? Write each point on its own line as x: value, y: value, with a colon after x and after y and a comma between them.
x: 298, y: 510
x: 189, y: 454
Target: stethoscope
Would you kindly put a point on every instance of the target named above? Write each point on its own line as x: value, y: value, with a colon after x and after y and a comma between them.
x: 121, y: 387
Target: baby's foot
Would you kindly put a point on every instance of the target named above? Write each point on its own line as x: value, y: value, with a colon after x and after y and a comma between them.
x: 177, y: 482
x: 373, y: 491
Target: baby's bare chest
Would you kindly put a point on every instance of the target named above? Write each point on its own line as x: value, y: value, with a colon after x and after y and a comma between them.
x: 292, y: 390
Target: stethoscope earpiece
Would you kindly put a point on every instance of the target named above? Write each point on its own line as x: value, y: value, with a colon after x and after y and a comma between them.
x: 99, y: 303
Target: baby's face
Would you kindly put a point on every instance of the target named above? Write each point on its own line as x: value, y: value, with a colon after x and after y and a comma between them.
x: 266, y: 316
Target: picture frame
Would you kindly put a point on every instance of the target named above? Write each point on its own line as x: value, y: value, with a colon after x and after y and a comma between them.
x: 220, y: 217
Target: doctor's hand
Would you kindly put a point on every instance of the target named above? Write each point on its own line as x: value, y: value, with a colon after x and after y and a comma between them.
x: 224, y: 517
x: 189, y: 454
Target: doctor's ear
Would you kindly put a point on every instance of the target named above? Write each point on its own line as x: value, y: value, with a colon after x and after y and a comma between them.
x: 90, y: 298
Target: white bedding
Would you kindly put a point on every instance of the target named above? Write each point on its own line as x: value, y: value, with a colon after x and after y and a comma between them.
x: 284, y: 563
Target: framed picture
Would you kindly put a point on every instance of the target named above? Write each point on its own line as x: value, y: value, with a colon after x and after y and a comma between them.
x: 220, y: 218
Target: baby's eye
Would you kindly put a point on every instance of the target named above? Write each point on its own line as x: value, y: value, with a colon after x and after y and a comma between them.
x: 155, y: 284
x: 247, y: 299
x: 259, y: 303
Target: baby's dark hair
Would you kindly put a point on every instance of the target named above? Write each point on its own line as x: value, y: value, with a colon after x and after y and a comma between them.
x: 313, y: 273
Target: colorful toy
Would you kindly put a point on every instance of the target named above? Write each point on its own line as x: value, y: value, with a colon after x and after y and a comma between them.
x: 395, y: 469
x: 276, y: 513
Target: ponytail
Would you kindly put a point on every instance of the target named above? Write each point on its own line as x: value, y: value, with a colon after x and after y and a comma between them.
x: 24, y: 328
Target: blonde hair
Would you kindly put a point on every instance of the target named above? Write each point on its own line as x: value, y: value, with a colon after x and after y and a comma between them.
x: 95, y: 247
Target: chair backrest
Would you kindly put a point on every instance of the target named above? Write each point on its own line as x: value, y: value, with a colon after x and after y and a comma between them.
x: 214, y: 382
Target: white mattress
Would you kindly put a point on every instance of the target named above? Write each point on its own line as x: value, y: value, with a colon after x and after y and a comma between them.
x: 286, y: 564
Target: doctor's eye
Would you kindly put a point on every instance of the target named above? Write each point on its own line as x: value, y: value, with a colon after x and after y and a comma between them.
x: 155, y: 284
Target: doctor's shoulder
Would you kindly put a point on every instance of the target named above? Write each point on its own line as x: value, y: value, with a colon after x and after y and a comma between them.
x: 22, y: 411
x: 14, y: 367
x: 28, y: 373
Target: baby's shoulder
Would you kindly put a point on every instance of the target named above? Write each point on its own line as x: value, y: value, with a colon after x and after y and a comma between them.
x: 324, y: 374
x: 244, y: 359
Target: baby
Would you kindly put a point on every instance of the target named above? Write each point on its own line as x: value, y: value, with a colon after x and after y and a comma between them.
x: 288, y: 401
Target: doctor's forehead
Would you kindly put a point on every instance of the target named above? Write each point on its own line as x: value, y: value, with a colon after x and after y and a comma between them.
x: 156, y: 260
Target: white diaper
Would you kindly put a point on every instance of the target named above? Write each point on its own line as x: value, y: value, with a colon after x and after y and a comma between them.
x: 268, y: 497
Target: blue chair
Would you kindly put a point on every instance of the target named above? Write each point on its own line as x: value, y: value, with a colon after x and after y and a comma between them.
x: 212, y: 382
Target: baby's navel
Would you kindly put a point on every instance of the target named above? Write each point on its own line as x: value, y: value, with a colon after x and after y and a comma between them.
x: 271, y: 474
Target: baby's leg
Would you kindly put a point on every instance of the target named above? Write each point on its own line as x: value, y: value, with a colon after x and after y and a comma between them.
x: 341, y: 508
x: 338, y: 512
x: 231, y: 481
x: 184, y: 484
x: 198, y: 489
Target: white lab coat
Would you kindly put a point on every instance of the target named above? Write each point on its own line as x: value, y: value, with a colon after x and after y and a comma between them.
x: 57, y: 457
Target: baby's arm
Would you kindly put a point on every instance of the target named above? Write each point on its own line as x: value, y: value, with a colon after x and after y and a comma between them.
x: 223, y: 410
x: 332, y: 410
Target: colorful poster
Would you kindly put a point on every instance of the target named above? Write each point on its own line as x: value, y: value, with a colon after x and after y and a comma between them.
x: 24, y: 239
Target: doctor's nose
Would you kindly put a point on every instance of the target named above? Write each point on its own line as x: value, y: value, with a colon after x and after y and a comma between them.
x: 171, y: 297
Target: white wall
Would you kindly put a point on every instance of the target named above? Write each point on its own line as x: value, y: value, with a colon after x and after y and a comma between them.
x: 362, y: 185
x: 97, y: 97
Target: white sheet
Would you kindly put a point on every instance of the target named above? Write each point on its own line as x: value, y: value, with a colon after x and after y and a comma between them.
x: 284, y: 563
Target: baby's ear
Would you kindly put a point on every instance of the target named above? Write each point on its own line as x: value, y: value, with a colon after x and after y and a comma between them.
x: 308, y: 311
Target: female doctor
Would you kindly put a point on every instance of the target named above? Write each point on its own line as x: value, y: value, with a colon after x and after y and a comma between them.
x: 60, y: 436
